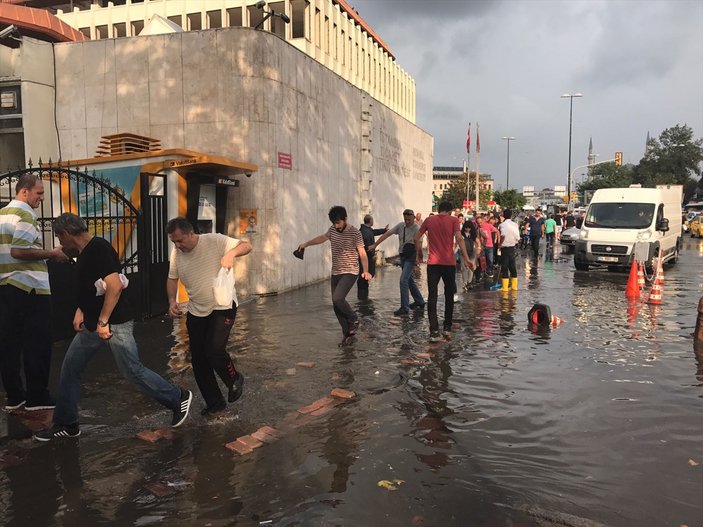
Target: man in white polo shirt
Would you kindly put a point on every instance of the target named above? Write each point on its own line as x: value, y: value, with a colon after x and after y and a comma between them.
x: 509, y: 238
x: 195, y: 261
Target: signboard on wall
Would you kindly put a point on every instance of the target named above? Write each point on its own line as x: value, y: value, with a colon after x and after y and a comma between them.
x: 285, y: 160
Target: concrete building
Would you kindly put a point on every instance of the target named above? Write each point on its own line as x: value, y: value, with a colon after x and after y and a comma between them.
x: 232, y: 102
x: 442, y: 177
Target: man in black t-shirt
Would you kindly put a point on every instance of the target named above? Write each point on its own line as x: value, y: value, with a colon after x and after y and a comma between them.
x: 102, y: 318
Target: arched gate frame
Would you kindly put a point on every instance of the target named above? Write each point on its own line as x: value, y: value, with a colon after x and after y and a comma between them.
x: 108, y: 214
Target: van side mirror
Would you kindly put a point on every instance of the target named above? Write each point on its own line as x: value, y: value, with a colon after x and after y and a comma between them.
x: 663, y: 225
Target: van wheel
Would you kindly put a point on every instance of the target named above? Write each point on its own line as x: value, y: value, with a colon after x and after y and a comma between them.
x: 581, y: 266
x: 674, y: 259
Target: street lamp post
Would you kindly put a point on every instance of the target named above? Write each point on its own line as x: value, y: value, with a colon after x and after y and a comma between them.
x: 570, y: 96
x: 507, y: 168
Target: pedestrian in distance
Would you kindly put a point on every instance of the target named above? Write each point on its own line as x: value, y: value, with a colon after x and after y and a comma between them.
x: 509, y: 238
x: 196, y: 260
x: 103, y: 320
x: 25, y: 299
x: 490, y: 233
x: 536, y: 231
x: 368, y: 234
x: 550, y: 226
x: 348, y: 251
x: 406, y: 231
x: 443, y: 231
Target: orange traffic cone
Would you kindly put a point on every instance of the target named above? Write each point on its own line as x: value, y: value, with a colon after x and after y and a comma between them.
x: 640, y: 275
x: 556, y: 321
x: 633, y: 287
x: 655, y: 295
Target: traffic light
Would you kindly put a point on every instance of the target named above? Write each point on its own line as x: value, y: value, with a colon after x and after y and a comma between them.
x: 618, y: 159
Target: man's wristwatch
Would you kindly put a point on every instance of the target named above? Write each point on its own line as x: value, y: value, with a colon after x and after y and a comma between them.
x: 103, y: 324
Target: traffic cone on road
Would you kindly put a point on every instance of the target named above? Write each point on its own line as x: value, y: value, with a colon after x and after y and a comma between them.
x: 556, y: 321
x: 640, y: 275
x: 655, y: 295
x: 633, y: 287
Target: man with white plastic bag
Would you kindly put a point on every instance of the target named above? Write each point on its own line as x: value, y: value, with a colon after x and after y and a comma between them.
x: 197, y: 260
x: 103, y: 320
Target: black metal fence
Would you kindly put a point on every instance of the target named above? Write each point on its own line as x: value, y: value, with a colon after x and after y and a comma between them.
x: 108, y: 214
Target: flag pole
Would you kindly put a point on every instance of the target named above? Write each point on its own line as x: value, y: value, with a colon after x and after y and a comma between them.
x: 467, y: 167
x: 478, y: 164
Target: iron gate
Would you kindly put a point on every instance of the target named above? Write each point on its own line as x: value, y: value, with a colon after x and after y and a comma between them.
x: 109, y: 214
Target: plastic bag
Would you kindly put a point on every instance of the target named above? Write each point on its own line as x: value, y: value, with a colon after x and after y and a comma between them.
x: 223, y: 287
x: 100, y: 286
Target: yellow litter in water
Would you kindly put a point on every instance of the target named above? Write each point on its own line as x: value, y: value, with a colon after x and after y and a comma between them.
x: 390, y: 485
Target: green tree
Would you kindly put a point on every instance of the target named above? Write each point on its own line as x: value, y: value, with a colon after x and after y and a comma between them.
x: 510, y: 199
x: 607, y: 175
x: 456, y: 192
x: 674, y: 159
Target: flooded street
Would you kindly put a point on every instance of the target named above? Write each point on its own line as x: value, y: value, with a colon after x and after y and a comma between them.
x: 596, y: 422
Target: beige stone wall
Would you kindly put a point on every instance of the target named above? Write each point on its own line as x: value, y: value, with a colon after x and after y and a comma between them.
x: 248, y: 95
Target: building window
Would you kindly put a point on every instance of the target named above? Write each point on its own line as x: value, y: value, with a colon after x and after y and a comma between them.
x: 100, y: 32
x: 195, y: 22
x: 137, y: 27
x: 318, y: 27
x: 85, y: 31
x: 119, y: 30
x: 278, y: 26
x: 214, y: 19
x: 298, y: 9
x: 255, y: 15
x: 176, y: 19
x: 235, y: 16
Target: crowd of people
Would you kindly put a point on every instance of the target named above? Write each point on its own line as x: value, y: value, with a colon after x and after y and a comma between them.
x: 103, y: 318
x: 470, y: 247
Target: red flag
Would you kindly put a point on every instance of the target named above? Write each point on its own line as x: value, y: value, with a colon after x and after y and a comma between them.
x: 478, y: 141
x: 468, y: 140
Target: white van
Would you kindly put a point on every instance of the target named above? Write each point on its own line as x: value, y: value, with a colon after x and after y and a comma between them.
x: 619, y: 219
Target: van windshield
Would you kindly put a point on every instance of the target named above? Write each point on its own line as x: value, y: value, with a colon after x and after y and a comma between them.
x: 620, y: 215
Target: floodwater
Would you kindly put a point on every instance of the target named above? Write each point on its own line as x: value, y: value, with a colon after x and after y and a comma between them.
x: 596, y: 422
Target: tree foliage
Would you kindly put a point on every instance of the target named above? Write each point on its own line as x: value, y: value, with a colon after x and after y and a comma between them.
x: 674, y: 158
x: 456, y: 192
x: 510, y: 199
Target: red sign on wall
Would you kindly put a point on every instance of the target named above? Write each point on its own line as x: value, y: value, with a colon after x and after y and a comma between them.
x: 285, y: 161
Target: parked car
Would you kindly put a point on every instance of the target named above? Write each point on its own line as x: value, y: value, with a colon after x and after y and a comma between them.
x: 696, y: 226
x: 569, y: 237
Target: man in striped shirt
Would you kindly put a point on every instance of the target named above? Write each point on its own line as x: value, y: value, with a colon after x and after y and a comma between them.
x: 25, y: 299
x: 347, y: 248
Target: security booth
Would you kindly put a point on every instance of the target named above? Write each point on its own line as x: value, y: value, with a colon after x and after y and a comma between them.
x: 126, y: 194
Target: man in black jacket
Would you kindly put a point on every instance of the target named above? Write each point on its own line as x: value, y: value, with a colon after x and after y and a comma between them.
x: 368, y: 234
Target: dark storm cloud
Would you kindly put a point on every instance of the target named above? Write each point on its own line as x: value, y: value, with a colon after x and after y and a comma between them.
x: 403, y: 11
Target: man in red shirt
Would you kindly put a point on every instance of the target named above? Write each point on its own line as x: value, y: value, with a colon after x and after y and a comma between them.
x: 443, y: 230
x: 490, y: 232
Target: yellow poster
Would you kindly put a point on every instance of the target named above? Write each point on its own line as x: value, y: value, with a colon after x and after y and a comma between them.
x: 247, y: 221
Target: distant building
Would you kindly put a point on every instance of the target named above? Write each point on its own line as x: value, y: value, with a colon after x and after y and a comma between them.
x: 546, y: 197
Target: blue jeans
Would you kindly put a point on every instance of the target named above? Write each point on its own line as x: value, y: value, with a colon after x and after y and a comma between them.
x: 408, y: 286
x: 490, y: 253
x: 83, y: 347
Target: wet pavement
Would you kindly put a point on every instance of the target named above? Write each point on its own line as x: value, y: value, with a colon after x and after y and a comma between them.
x: 596, y: 422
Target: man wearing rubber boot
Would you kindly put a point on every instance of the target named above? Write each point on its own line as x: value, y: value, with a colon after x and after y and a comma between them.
x: 196, y: 260
x: 509, y: 238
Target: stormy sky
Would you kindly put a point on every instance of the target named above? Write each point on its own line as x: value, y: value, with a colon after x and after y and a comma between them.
x: 505, y: 63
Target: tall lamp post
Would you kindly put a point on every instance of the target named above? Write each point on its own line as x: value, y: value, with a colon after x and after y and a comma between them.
x: 507, y: 168
x: 570, y: 96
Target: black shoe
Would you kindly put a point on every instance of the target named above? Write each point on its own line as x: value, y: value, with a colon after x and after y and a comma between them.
x: 401, y: 312
x: 214, y: 409
x: 57, y: 432
x: 13, y: 405
x: 415, y: 305
x: 44, y: 404
x: 180, y: 413
x: 435, y: 336
x: 235, y: 391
